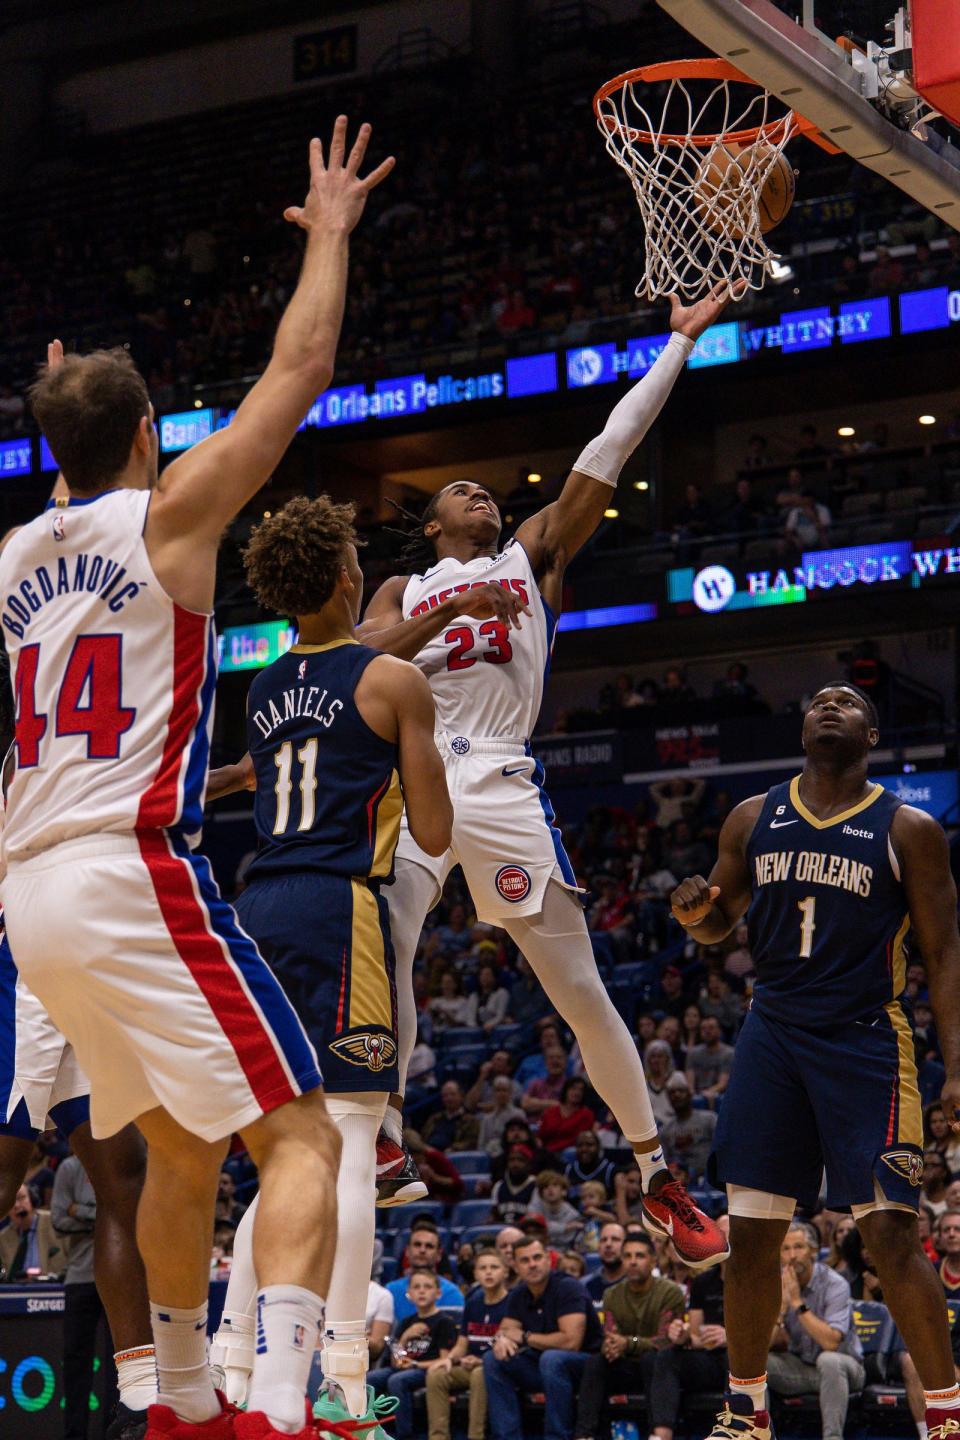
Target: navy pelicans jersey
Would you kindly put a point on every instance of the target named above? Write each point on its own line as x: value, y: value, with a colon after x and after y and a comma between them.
x: 328, y: 791
x: 828, y: 917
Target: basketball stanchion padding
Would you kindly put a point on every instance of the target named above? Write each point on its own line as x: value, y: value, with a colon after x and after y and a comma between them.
x: 703, y: 146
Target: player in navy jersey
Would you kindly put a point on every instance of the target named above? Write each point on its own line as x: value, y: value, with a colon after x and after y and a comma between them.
x: 834, y: 872
x: 341, y: 739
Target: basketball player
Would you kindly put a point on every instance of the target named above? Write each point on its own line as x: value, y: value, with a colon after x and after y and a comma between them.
x: 334, y: 730
x: 115, y: 924
x: 487, y: 680
x: 827, y: 1046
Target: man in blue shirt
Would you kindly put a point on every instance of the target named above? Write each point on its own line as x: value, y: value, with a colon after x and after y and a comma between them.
x: 549, y: 1328
x: 816, y: 1347
x: 423, y: 1252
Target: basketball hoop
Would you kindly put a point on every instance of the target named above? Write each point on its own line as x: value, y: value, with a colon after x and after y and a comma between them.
x: 703, y: 147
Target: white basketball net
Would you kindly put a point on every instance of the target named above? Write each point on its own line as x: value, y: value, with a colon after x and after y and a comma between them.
x: 697, y: 234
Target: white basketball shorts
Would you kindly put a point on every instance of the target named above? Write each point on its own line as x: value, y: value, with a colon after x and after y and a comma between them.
x: 127, y: 942
x: 41, y: 1082
x: 504, y: 834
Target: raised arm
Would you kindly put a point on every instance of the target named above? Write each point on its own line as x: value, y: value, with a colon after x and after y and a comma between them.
x: 932, y: 896
x: 384, y: 627
x: 202, y: 491
x: 554, y: 535
x: 709, y: 909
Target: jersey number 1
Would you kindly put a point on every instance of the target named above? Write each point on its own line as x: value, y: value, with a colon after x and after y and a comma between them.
x: 808, y: 909
x: 283, y: 759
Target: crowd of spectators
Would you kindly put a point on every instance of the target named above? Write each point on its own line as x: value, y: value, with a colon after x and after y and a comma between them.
x: 454, y: 256
x: 495, y: 1288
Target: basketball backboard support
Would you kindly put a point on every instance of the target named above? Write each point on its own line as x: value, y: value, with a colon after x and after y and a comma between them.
x: 860, y: 101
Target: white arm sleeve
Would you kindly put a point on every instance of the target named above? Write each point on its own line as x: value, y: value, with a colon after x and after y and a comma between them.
x: 631, y: 417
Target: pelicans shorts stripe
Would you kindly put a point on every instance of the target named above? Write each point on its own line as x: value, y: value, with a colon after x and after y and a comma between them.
x: 327, y: 940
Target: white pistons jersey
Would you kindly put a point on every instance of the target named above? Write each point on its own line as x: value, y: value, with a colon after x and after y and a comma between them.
x: 113, y: 680
x: 487, y: 678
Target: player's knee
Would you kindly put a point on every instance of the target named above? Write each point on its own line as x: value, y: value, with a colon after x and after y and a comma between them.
x: 756, y: 1243
x: 892, y: 1236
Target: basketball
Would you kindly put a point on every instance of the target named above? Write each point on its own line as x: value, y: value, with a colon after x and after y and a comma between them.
x: 726, y: 191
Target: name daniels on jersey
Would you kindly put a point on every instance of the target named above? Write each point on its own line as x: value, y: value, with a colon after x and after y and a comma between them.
x: 813, y: 867
x: 298, y: 703
x: 92, y: 573
x: 519, y: 587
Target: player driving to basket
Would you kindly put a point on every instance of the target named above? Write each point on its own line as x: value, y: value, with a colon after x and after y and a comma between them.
x: 115, y: 923
x: 487, y: 680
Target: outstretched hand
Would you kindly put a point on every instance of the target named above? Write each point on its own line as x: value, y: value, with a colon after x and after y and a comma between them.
x: 337, y: 194
x: 692, y: 320
x: 54, y: 354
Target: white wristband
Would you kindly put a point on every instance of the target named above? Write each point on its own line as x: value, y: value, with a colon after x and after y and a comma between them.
x: 632, y: 416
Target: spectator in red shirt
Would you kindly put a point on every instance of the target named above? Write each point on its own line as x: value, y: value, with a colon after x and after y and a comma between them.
x: 518, y: 314
x: 560, y: 1124
x: 442, y: 1179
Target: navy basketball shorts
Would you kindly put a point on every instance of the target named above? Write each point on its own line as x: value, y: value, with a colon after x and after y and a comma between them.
x: 801, y: 1101
x: 327, y: 940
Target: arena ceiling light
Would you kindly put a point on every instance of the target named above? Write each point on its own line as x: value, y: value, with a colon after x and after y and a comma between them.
x: 845, y: 431
x: 641, y: 484
x: 611, y: 514
x: 533, y: 478
x: 928, y: 419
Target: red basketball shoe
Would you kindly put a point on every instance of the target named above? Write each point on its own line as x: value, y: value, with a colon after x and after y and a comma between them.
x: 164, y: 1424
x: 668, y: 1209
x: 398, y: 1179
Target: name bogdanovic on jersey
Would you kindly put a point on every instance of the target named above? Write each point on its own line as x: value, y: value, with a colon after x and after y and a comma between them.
x: 829, y: 915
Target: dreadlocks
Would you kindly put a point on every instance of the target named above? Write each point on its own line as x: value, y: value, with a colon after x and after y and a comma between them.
x: 417, y: 553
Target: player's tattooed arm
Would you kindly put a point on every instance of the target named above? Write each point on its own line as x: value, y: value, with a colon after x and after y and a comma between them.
x: 709, y: 909
x: 924, y: 856
x: 384, y: 628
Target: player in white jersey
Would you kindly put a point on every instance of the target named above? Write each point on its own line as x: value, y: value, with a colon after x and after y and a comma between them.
x: 116, y: 925
x: 487, y: 680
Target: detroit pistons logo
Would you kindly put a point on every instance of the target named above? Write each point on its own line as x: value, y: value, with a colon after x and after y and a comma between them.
x: 513, y: 883
x: 367, y: 1048
x: 908, y: 1164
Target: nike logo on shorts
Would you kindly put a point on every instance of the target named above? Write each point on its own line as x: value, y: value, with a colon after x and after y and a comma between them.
x: 517, y: 770
x: 779, y: 824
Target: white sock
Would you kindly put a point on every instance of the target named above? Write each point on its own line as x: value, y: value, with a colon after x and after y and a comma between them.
x: 651, y: 1162
x: 183, y: 1375
x: 922, y: 1429
x: 345, y: 1361
x: 392, y: 1125
x: 288, y: 1324
x: 755, y: 1388
x: 948, y: 1399
x: 137, y: 1376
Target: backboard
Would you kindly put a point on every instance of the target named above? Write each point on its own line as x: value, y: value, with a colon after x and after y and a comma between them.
x: 864, y: 100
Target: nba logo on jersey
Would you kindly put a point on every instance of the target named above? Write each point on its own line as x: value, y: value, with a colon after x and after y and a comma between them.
x: 302, y: 670
x: 59, y: 527
x: 513, y: 883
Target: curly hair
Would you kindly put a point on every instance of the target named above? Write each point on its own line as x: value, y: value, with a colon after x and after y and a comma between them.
x: 293, y: 559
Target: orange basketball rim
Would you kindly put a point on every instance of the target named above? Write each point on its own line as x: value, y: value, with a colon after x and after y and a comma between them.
x: 773, y: 131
